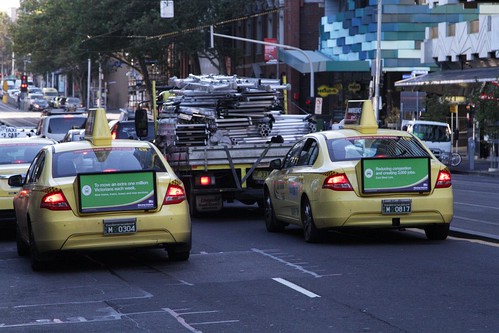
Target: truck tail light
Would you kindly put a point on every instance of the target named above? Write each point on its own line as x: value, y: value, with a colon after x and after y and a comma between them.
x: 55, y: 201
x: 444, y: 179
x: 205, y: 180
x: 174, y: 194
x: 337, y: 182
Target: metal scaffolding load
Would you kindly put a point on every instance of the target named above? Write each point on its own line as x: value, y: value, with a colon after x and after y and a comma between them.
x: 227, y: 110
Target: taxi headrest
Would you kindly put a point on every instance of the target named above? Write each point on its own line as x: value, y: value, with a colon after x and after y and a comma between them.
x: 97, y: 128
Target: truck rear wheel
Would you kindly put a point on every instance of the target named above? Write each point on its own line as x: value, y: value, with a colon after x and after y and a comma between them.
x: 192, y: 206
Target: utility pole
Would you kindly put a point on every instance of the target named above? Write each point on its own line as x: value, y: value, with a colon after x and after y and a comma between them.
x: 377, y: 76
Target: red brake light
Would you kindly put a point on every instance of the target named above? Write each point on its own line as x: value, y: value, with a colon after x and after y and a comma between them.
x: 444, y: 179
x: 174, y: 194
x: 338, y: 182
x: 55, y: 201
x: 205, y: 180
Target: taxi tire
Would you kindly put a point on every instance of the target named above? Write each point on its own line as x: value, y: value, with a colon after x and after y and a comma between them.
x: 310, y: 231
x: 178, y: 256
x: 437, y: 231
x: 39, y: 262
x: 271, y: 222
x: 22, y: 247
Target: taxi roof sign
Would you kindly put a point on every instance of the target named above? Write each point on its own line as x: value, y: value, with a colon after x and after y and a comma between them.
x: 359, y: 116
x: 97, y: 128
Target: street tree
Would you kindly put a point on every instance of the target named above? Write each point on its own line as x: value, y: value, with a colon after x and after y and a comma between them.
x: 61, y: 35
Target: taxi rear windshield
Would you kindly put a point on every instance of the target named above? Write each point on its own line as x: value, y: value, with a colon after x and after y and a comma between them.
x: 63, y: 125
x: 70, y: 163
x: 355, y: 148
x: 16, y: 153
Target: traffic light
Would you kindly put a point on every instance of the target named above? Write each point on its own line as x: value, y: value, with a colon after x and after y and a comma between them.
x: 24, y: 83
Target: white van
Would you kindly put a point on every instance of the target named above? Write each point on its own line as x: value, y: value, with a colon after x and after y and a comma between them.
x: 435, y: 135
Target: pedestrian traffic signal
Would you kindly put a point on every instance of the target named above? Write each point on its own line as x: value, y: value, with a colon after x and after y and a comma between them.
x: 24, y: 83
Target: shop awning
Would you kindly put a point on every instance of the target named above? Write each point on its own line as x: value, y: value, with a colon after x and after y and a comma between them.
x: 465, y: 76
x: 452, y: 82
x: 321, y: 62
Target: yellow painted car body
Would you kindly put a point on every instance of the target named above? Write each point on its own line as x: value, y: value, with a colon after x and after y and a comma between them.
x: 296, y: 192
x: 50, y: 205
x: 16, y: 155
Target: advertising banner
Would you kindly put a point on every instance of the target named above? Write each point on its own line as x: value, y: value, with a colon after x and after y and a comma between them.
x: 106, y: 192
x: 382, y: 175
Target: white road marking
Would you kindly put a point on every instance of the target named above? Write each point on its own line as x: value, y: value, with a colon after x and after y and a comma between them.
x: 296, y: 287
x: 287, y: 263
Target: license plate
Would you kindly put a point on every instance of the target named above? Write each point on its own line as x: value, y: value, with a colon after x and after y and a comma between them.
x: 401, y: 206
x: 120, y: 227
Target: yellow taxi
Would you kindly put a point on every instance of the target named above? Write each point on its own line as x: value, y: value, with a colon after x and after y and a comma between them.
x: 360, y: 176
x: 16, y: 155
x: 99, y: 194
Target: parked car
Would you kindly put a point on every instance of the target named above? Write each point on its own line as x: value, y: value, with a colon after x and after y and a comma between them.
x: 359, y: 177
x: 72, y: 104
x: 15, y: 157
x: 100, y: 194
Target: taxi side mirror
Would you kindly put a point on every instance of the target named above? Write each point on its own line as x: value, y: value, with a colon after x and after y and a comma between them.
x: 141, y: 123
x: 16, y: 180
x: 275, y: 164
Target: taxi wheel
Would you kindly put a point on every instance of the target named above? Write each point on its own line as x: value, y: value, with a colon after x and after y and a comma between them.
x: 310, y: 231
x: 271, y: 223
x: 178, y: 256
x: 437, y: 231
x: 38, y: 262
x: 22, y: 247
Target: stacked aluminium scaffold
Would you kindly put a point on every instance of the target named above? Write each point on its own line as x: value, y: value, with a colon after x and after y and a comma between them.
x: 227, y: 110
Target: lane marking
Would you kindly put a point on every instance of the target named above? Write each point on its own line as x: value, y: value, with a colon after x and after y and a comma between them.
x: 181, y: 320
x: 296, y: 287
x: 287, y: 263
x: 474, y: 220
x: 474, y: 205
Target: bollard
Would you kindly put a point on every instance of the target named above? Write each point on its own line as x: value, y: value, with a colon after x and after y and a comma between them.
x: 471, y: 153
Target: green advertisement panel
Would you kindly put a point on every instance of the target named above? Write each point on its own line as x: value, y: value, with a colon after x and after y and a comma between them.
x: 381, y: 175
x: 106, y: 192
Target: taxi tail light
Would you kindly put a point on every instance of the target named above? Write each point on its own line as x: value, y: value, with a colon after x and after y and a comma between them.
x: 174, y: 194
x: 55, y: 201
x: 444, y: 179
x: 338, y: 182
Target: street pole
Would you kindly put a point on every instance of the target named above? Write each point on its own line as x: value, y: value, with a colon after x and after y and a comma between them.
x: 378, y: 61
x: 88, y: 82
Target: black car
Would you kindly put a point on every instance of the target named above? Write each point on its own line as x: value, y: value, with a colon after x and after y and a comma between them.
x: 125, y: 129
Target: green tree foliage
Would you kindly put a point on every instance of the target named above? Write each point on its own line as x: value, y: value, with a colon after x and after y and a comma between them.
x: 486, y: 109
x: 437, y: 108
x: 63, y: 34
x: 5, y: 40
